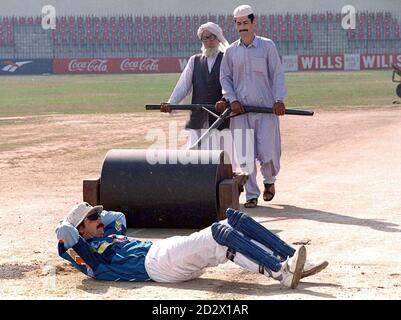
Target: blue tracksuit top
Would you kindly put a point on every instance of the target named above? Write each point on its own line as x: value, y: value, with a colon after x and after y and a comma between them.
x: 110, y: 257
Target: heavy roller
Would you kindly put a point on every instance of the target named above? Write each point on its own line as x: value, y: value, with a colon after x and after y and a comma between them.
x: 177, y: 188
x: 173, y: 193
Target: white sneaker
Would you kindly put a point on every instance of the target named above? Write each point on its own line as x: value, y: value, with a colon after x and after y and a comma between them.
x: 311, y: 268
x: 291, y: 270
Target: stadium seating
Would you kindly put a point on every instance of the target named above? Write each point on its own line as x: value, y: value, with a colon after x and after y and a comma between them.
x: 153, y: 31
x: 293, y: 33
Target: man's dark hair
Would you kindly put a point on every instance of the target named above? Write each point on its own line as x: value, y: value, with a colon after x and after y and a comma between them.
x: 250, y: 16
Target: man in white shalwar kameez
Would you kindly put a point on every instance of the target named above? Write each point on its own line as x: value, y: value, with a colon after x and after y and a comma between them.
x: 251, y: 74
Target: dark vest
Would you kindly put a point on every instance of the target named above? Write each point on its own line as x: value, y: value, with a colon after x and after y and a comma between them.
x: 206, y: 89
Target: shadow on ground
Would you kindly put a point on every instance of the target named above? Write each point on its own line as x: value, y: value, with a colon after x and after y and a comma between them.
x: 213, y: 286
x: 285, y: 212
x: 265, y: 214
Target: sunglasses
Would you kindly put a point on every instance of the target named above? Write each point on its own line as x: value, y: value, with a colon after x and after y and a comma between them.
x: 93, y: 216
x: 211, y: 38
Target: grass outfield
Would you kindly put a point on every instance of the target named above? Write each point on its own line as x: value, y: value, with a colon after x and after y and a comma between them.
x: 72, y: 94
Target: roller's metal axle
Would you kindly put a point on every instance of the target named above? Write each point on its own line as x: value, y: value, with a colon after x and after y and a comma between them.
x: 247, y: 109
x: 222, y: 117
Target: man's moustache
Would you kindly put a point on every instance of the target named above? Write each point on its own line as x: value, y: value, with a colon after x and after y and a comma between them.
x: 101, y: 225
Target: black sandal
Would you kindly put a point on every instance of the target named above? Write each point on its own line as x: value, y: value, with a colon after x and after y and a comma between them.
x: 267, y: 194
x: 251, y: 203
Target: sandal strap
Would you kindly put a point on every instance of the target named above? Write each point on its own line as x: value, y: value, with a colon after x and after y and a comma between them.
x: 251, y: 203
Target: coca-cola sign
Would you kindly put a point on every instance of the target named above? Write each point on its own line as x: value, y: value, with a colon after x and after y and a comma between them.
x: 91, y: 66
x: 141, y: 65
x: 117, y: 65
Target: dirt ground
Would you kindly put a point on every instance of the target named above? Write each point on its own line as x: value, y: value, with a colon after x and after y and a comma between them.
x: 338, y: 190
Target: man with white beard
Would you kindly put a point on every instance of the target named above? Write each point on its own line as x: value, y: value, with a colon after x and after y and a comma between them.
x: 201, y: 76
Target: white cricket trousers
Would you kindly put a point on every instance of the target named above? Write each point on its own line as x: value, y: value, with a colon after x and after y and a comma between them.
x: 183, y: 258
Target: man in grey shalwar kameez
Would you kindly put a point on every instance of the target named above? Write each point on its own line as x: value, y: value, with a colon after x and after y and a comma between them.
x: 251, y: 74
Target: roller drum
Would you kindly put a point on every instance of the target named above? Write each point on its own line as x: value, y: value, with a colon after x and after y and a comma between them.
x: 169, y: 194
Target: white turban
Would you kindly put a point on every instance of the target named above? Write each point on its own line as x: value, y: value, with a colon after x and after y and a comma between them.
x: 242, y: 11
x: 216, y: 30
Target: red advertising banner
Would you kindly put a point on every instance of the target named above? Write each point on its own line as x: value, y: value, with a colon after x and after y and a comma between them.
x: 320, y: 62
x: 177, y: 65
x: 379, y: 61
x: 123, y: 65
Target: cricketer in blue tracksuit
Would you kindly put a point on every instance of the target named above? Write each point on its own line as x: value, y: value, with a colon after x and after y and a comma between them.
x: 110, y: 257
x: 95, y: 242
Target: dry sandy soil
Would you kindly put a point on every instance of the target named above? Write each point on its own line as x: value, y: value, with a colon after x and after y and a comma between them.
x: 339, y: 190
